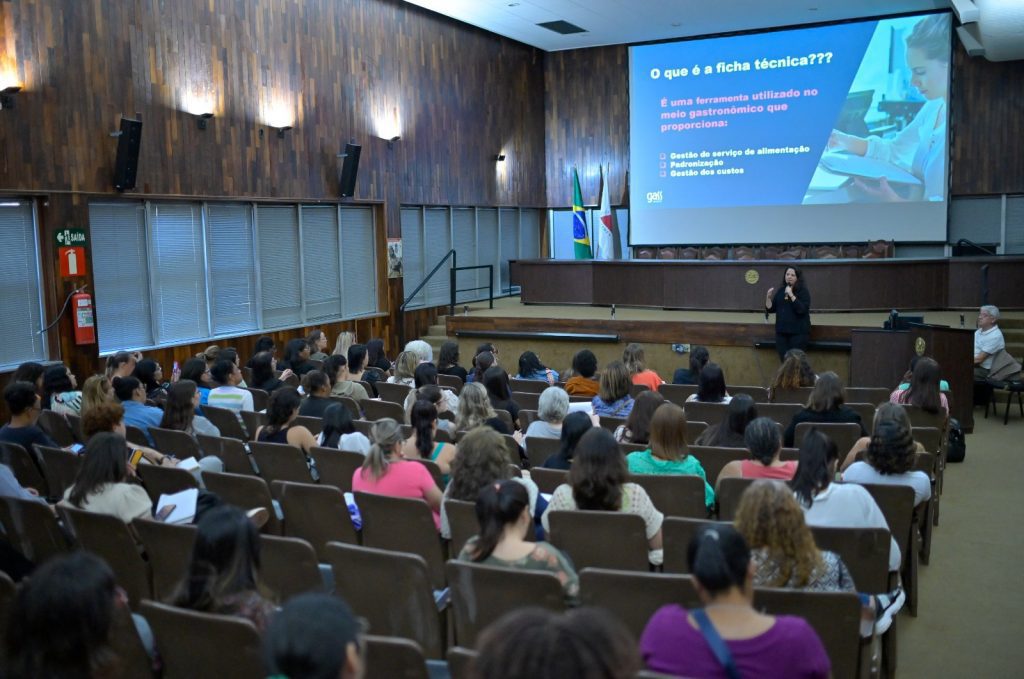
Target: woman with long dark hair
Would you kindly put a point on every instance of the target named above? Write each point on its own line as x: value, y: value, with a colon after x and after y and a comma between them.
x: 375, y: 357
x: 791, y: 304
x: 503, y: 511
x: 386, y: 472
x: 924, y: 390
x: 296, y: 357
x: 151, y: 374
x: 825, y: 404
x: 421, y: 445
x: 498, y: 390
x: 838, y: 505
x: 102, y: 486
x: 180, y: 411
x: 195, y: 369
x: 60, y: 391
x: 711, y: 386
x: 448, y: 361
x: 574, y: 426
x: 637, y: 428
x: 263, y: 374
x: 760, y: 645
x: 699, y: 357
x: 530, y: 368
x: 223, y: 576
x: 281, y: 413
x: 598, y: 481
x: 340, y: 433
x: 729, y: 432
x: 62, y: 621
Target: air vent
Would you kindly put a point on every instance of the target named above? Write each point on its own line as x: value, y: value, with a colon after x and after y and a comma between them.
x: 562, y: 27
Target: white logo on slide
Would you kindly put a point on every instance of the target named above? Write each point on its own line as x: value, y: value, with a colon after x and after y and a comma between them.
x: 655, y: 196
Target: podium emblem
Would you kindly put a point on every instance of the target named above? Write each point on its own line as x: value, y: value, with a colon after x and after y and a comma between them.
x: 919, y: 346
x: 751, y: 276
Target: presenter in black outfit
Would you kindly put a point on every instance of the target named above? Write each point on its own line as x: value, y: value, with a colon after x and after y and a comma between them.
x: 791, y: 303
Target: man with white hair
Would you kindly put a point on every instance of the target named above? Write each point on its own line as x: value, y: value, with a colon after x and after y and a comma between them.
x: 988, y: 340
x: 421, y: 349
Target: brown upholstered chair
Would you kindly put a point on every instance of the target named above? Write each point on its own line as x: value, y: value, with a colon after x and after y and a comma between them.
x: 843, y: 434
x: 245, y: 492
x: 689, y: 253
x: 227, y: 422
x: 482, y: 594
x: 780, y: 412
x: 402, y: 524
x: 745, y: 253
x: 712, y: 413
x: 288, y: 566
x: 315, y: 425
x: 798, y: 395
x: 260, y: 398
x: 26, y: 468
x: 714, y: 458
x: 634, y: 597
x: 57, y: 427
x: 668, y: 253
x: 677, y: 393
x: 177, y: 443
x: 393, y: 392
x: 676, y: 534
x: 873, y: 395
x: 879, y: 249
x: 336, y: 467
x: 159, y: 480
x: 540, y: 448
x: 548, y: 480
x: 897, y: 505
x: 674, y: 494
x: 715, y: 253
x: 865, y: 551
x: 826, y: 252
x: 350, y: 404
x: 280, y: 462
x: 463, y: 524
x: 729, y: 492
x: 60, y: 467
x: 527, y: 386
x: 460, y: 662
x: 108, y: 537
x: 315, y: 513
x: 378, y: 410
x: 759, y: 394
x: 388, y: 657
x: 32, y: 529
x: 530, y: 400
x: 600, y: 539
x: 392, y: 591
x: 231, y: 452
x: 193, y: 644
x: 643, y: 253
x: 169, y: 548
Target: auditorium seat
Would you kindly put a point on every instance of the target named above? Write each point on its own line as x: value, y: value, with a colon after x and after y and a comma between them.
x: 245, y: 492
x: 463, y: 523
x: 174, y: 442
x: 483, y: 594
x: 159, y: 480
x: 169, y: 549
x: 540, y: 448
x: 350, y: 403
x: 288, y: 566
x: 231, y: 451
x: 394, y: 393
x: 729, y: 492
x: 674, y: 494
x: 643, y: 253
x: 676, y: 534
x: 378, y: 410
x: 548, y: 480
x: 315, y: 425
x: 260, y: 398
x: 280, y: 462
x: 26, y: 469
x: 714, y: 253
x: 668, y: 253
x: 843, y: 434
x: 745, y: 253
x: 226, y: 420
x: 677, y: 393
x: 879, y: 249
x: 336, y: 467
x: 401, y: 524
x: 586, y: 535
x: 714, y: 458
x: 32, y: 529
x: 759, y: 394
x: 60, y: 467
x: 688, y: 253
x: 633, y: 597
x: 826, y: 252
x: 315, y: 513
x: 387, y: 657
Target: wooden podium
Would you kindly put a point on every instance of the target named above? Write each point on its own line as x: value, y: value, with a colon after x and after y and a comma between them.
x: 879, y: 358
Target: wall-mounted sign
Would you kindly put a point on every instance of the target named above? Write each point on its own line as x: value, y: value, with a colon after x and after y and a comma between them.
x: 70, y: 237
x: 72, y: 262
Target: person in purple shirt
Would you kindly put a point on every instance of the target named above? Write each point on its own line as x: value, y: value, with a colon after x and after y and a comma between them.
x: 677, y: 641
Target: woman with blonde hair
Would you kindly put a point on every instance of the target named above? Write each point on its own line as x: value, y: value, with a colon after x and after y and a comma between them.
x: 405, y: 369
x: 96, y: 390
x: 345, y: 339
x: 474, y: 407
x: 633, y: 358
x: 385, y: 472
x: 613, y: 399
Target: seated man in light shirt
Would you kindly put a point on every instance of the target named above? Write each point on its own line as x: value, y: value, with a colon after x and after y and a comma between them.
x: 228, y: 394
x: 988, y: 340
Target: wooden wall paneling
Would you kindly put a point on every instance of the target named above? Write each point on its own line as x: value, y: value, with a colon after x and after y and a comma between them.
x: 988, y: 125
x: 586, y: 109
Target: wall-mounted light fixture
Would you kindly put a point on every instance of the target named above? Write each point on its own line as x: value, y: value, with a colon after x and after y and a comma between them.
x: 282, y: 130
x: 500, y: 158
x: 7, y: 96
x: 202, y: 119
x: 391, y: 142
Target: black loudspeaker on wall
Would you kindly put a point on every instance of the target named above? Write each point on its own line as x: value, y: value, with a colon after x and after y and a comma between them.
x: 127, y: 162
x: 349, y: 167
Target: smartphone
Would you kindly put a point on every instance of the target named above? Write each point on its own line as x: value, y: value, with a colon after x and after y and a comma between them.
x: 135, y: 458
x: 176, y: 371
x: 164, y: 512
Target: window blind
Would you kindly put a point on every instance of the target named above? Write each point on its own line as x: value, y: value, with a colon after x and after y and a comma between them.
x: 412, y: 254
x: 178, y: 273
x: 20, y: 340
x: 359, y: 261
x: 232, y: 267
x: 321, y: 268
x: 280, y: 280
x: 120, y: 275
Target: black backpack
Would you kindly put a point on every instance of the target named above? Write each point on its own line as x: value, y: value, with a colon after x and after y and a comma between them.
x: 956, y: 448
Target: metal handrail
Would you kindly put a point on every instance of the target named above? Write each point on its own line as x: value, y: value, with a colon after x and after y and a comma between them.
x: 489, y: 287
x: 452, y: 272
x: 426, y: 279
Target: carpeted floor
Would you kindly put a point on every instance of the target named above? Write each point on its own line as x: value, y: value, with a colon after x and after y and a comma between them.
x: 971, y: 615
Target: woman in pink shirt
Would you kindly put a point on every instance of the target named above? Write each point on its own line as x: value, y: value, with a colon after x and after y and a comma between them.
x: 764, y: 441
x: 385, y: 472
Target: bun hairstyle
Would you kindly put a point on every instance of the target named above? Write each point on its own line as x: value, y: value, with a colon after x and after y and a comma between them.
x: 481, y: 362
x: 124, y: 387
x: 498, y: 505
x: 385, y: 434
x: 718, y: 557
x: 314, y: 381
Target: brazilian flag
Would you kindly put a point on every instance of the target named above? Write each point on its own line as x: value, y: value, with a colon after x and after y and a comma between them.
x: 581, y: 241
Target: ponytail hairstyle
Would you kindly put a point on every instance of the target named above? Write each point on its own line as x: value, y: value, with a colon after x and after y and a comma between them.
x: 815, y: 471
x: 699, y: 357
x: 422, y: 418
x: 718, y: 557
x: 124, y: 387
x: 498, y: 505
x: 481, y: 363
x: 385, y: 434
x: 314, y: 381
x: 332, y: 366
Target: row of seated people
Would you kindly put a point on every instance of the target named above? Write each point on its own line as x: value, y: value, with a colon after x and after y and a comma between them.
x: 872, y: 250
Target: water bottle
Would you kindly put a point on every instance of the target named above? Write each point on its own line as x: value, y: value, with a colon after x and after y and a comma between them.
x: 613, y: 312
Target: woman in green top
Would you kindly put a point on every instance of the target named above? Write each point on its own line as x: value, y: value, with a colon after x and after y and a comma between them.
x: 668, y: 453
x: 503, y: 510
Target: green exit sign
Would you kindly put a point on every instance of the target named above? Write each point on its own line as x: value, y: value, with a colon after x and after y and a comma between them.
x: 70, y: 237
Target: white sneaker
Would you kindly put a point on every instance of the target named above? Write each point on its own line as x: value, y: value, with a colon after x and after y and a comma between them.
x: 886, y: 615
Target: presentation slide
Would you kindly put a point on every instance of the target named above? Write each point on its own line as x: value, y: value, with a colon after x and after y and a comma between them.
x: 827, y: 134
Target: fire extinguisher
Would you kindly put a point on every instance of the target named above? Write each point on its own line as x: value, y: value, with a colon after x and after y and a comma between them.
x: 82, y: 318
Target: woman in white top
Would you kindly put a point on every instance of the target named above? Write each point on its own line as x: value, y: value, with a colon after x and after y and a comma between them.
x: 919, y: 148
x: 102, y: 486
x: 340, y: 433
x: 405, y: 369
x: 889, y: 455
x: 838, y: 505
